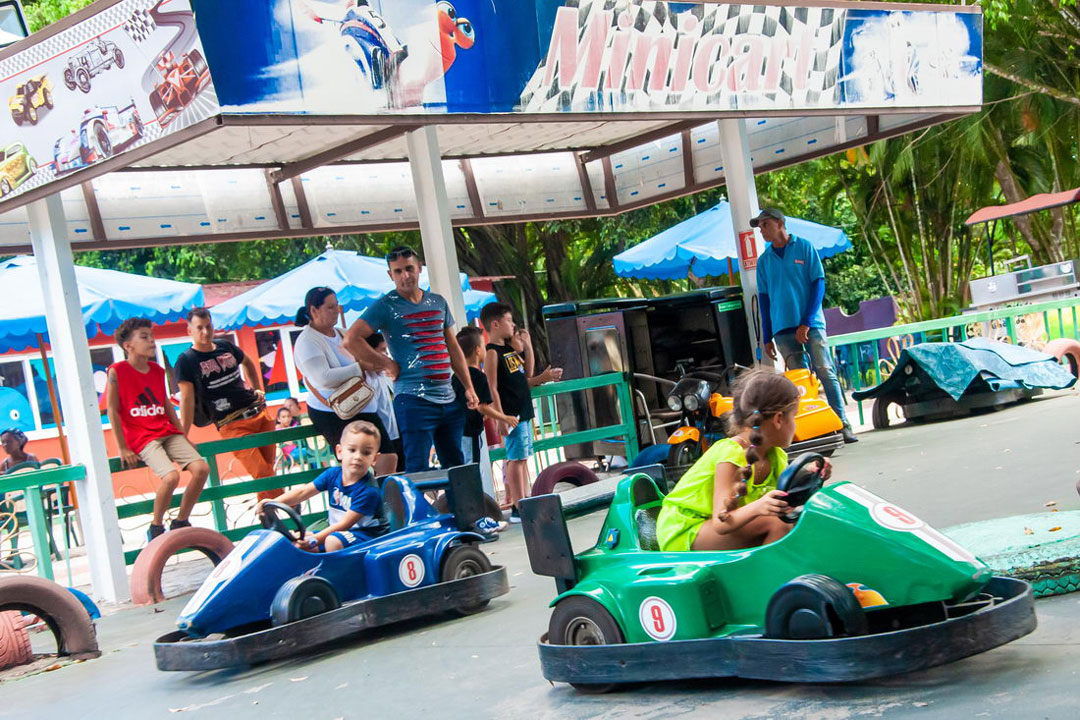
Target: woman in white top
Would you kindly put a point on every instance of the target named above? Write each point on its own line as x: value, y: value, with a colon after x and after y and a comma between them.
x: 326, y: 366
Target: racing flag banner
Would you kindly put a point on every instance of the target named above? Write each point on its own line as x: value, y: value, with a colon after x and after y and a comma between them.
x: 131, y: 74
x: 370, y: 57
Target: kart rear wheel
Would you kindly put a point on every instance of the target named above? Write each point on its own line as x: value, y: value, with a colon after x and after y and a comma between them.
x: 579, y: 620
x: 462, y: 562
x: 880, y: 412
x: 69, y: 79
x: 683, y: 455
x: 47, y: 98
x: 813, y: 607
x: 118, y: 58
x: 198, y: 63
x: 30, y: 112
x: 303, y: 597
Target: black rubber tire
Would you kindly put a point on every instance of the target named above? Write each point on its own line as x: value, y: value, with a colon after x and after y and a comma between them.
x: 101, y: 137
x: 812, y: 607
x: 31, y: 114
x: 5, y: 187
x: 156, y: 104
x: 198, y: 62
x: 683, y: 455
x: 491, y: 506
x: 880, y: 412
x: 149, y: 564
x: 59, y: 609
x: 82, y: 80
x: 303, y: 597
x: 461, y: 562
x: 17, y: 117
x: 570, y: 471
x: 69, y: 79
x: 568, y: 626
x: 15, y: 646
x: 118, y: 58
x: 47, y: 98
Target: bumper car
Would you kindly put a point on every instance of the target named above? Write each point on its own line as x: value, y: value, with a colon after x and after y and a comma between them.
x: 268, y: 599
x: 858, y: 589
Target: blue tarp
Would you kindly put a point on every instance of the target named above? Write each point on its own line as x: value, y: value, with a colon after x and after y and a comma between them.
x: 107, y: 297
x: 357, y: 279
x: 706, y: 242
x: 957, y: 368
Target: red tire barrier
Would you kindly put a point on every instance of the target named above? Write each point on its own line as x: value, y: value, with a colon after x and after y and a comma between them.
x: 14, y: 642
x: 565, y: 472
x: 58, y: 608
x: 150, y: 563
x: 1065, y: 349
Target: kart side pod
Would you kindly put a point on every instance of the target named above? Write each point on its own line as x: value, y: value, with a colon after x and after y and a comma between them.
x: 548, y: 540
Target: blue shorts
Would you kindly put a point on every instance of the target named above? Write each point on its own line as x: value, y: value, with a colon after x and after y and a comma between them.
x: 519, y: 442
x: 349, y: 537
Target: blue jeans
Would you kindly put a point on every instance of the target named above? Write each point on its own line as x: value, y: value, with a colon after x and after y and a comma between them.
x: 817, y: 347
x: 423, y: 423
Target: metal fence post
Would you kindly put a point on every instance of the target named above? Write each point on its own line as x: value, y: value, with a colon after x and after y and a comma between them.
x: 626, y: 413
x: 35, y: 517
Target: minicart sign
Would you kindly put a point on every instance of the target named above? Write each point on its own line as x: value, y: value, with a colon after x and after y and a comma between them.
x: 586, y: 56
x: 131, y: 74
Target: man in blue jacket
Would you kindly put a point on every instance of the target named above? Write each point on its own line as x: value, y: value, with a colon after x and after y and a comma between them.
x: 791, y: 286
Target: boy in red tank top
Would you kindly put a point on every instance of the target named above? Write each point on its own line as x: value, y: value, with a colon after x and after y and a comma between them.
x: 145, y: 425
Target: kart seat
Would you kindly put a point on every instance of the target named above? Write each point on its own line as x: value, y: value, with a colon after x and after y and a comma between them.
x: 646, y: 499
x: 403, y: 504
x: 645, y: 520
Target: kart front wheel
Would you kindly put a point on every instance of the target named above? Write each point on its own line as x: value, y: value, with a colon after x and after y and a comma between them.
x: 812, y: 607
x: 303, y: 597
x: 683, y: 455
x: 579, y: 620
x: 462, y: 562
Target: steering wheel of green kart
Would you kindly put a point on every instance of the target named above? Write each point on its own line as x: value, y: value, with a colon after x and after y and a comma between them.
x: 270, y: 520
x: 799, y: 480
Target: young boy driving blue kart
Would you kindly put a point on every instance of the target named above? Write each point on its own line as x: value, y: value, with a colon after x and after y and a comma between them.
x: 728, y: 500
x: 355, y: 512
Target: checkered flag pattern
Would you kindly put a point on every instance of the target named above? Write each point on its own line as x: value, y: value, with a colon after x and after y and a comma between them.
x: 140, y: 25
x: 819, y: 30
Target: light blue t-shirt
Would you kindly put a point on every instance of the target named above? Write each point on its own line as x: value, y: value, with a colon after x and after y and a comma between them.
x: 787, y: 281
x: 415, y: 334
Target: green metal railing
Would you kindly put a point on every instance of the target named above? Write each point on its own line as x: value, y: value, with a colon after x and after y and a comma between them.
x: 31, y: 488
x: 624, y: 431
x: 860, y: 362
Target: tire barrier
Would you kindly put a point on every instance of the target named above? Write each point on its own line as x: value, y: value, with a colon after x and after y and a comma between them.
x: 491, y: 506
x: 150, y: 563
x: 565, y: 472
x: 58, y: 608
x: 14, y: 642
x: 1065, y: 349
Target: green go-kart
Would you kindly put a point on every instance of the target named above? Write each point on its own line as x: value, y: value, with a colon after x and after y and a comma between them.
x: 858, y: 589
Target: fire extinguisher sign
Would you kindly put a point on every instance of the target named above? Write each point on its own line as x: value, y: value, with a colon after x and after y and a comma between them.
x: 747, y: 250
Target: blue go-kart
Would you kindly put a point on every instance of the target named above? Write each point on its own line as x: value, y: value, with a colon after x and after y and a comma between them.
x: 268, y: 599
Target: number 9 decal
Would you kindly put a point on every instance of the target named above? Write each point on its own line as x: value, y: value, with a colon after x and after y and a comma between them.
x: 657, y: 619
x: 411, y: 571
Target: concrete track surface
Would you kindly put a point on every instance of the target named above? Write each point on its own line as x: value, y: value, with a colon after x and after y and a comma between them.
x: 485, y: 666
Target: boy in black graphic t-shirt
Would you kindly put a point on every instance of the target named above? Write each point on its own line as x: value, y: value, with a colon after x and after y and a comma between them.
x: 510, y: 376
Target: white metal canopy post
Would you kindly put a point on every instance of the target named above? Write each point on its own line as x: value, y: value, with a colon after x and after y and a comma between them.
x: 433, y: 210
x: 742, y: 194
x: 71, y: 356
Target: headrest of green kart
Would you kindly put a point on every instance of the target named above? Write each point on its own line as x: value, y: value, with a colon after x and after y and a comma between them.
x: 644, y: 491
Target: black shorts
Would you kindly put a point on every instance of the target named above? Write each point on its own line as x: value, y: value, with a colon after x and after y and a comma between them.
x: 330, y: 427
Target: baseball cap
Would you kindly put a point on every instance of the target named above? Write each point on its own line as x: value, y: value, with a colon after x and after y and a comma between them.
x: 770, y: 213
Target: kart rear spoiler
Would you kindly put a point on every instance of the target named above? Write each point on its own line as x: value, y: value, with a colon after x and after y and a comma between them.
x: 548, y: 540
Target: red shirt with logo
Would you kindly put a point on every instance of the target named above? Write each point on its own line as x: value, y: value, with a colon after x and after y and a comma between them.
x: 142, y: 404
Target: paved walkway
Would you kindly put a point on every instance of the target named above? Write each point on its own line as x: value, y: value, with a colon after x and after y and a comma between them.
x: 485, y: 666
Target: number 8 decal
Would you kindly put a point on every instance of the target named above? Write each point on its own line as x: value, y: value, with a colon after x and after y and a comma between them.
x: 657, y: 619
x: 411, y: 571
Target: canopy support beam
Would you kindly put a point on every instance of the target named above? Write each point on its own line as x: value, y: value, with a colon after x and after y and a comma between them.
x: 339, y: 152
x: 606, y: 151
x: 71, y: 354
x: 433, y: 212
x: 586, y: 184
x: 742, y: 195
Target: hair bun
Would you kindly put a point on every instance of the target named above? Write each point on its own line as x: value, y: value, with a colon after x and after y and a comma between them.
x: 303, y: 317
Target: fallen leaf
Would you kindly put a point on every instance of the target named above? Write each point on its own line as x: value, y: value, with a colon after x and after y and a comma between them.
x: 57, y: 666
x: 1050, y: 503
x: 1028, y: 531
x: 1055, y: 528
x: 159, y: 610
x: 298, y: 679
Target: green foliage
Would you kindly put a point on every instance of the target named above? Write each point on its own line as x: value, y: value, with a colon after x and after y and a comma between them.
x: 40, y: 13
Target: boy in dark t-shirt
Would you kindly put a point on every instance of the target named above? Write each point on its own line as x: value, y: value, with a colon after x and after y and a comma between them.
x: 474, y: 443
x: 510, y: 375
x: 355, y: 512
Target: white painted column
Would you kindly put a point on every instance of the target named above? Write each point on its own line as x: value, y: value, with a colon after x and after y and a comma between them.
x: 78, y: 398
x: 742, y: 195
x: 433, y: 209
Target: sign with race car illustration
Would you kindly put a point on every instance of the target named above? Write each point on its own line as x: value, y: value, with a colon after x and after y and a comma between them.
x: 129, y: 75
x: 587, y: 56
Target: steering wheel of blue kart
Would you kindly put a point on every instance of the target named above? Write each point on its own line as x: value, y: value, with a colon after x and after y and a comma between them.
x: 270, y: 520
x: 800, y: 480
